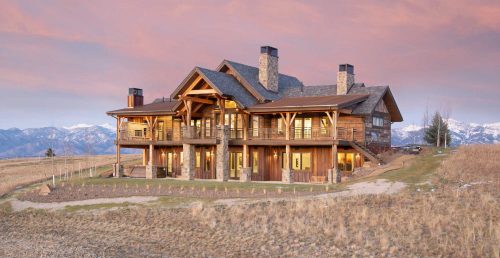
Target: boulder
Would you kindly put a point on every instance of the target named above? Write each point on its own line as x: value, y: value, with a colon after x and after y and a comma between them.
x: 45, y: 189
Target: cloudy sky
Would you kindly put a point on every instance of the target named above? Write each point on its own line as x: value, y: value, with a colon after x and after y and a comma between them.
x: 68, y: 62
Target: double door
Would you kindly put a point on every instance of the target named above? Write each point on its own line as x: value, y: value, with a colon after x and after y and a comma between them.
x: 235, y: 164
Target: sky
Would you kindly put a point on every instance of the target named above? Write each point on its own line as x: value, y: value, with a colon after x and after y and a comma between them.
x: 68, y: 62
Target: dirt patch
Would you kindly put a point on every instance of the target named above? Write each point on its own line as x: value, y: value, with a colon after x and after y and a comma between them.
x: 18, y: 205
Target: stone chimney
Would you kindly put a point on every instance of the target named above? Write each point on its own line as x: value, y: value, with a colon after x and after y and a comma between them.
x: 345, y: 78
x: 268, y: 68
x: 135, y: 97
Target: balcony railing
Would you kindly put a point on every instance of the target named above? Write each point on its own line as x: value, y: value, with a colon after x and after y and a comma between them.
x: 137, y: 133
x: 203, y: 133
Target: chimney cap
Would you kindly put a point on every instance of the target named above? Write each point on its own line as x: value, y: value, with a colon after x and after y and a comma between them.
x: 135, y: 91
x: 272, y: 51
x: 346, y: 68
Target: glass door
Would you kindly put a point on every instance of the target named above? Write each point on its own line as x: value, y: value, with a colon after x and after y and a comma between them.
x: 307, y: 127
x: 298, y: 128
x: 235, y: 164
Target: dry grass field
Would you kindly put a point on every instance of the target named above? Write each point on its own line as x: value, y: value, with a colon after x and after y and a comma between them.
x: 24, y: 171
x: 456, y: 216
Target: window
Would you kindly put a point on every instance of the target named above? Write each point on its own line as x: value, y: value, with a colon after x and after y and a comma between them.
x: 255, y: 162
x: 378, y: 121
x: 346, y: 161
x: 207, y: 127
x: 307, y: 127
x: 138, y: 133
x: 302, y: 127
x: 198, y: 159
x: 280, y: 126
x: 298, y: 128
x: 255, y: 126
x: 306, y: 161
x: 296, y: 161
x: 301, y: 161
x: 230, y: 104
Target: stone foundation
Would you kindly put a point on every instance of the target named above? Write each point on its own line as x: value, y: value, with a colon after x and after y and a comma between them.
x: 287, y: 176
x: 330, y: 176
x: 246, y: 175
x: 338, y: 176
x: 151, y: 171
x: 117, y: 170
x: 222, y: 158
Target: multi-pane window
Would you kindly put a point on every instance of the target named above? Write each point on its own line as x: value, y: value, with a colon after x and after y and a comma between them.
x: 207, y: 127
x: 303, y: 127
x: 378, y: 121
x: 235, y: 123
x: 301, y: 160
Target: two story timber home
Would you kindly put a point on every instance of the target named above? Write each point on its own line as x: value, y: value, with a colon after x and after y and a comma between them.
x: 255, y: 124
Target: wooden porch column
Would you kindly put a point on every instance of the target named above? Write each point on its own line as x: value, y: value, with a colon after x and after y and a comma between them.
x: 118, y: 169
x: 335, y: 128
x: 189, y: 104
x: 287, y: 173
x: 335, y: 175
x: 245, y: 138
x: 222, y: 106
x: 246, y: 171
x: 118, y: 139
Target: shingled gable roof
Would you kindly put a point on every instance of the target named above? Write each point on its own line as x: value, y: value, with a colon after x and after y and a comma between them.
x: 376, y: 93
x: 158, y: 107
x: 224, y: 84
x: 249, y: 77
x: 331, y: 102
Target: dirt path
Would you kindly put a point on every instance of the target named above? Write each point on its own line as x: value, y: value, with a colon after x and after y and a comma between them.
x: 380, y: 186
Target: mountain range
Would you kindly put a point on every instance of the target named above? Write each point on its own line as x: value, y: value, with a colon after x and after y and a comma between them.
x: 461, y: 133
x: 74, y: 140
x: 99, y: 139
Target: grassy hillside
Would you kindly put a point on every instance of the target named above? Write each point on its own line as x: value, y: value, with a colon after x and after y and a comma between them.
x: 456, y: 216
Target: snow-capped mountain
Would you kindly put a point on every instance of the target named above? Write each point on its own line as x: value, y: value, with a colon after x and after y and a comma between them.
x: 461, y: 133
x: 73, y: 140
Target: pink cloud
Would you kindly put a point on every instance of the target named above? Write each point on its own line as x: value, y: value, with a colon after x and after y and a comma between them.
x: 111, y: 45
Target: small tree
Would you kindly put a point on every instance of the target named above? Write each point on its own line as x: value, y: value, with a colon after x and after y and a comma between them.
x: 438, y: 132
x: 50, y: 153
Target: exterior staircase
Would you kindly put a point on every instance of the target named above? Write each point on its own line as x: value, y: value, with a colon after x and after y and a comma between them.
x: 368, y: 153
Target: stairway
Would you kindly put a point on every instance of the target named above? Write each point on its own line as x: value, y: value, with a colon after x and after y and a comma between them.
x: 368, y: 153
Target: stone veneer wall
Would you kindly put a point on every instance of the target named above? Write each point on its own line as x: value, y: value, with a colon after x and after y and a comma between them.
x: 222, y: 158
x: 344, y: 81
x: 268, y: 71
x: 378, y: 139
